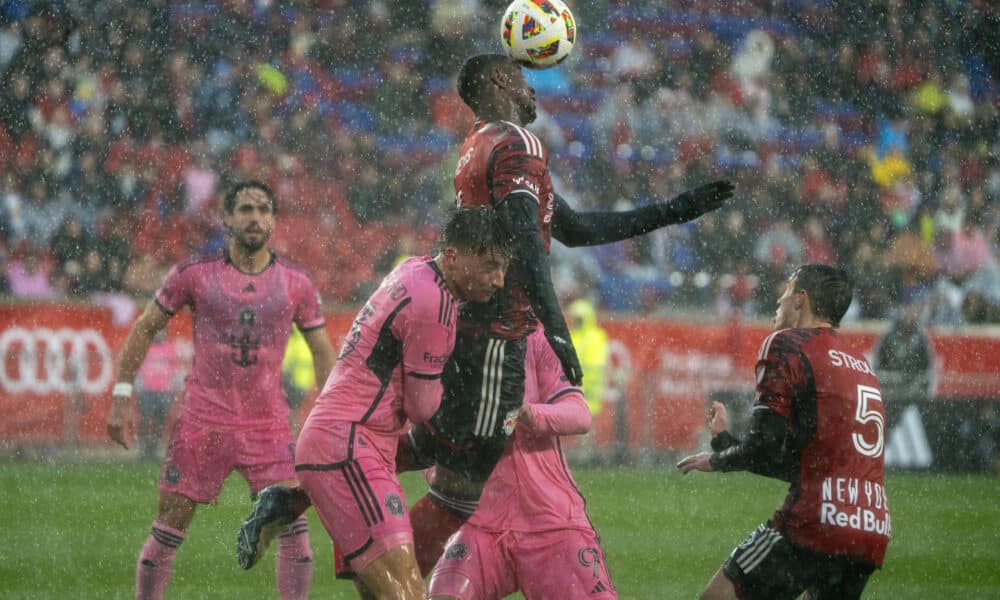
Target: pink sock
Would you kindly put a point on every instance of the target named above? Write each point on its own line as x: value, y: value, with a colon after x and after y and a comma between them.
x: 156, y: 561
x: 294, y: 565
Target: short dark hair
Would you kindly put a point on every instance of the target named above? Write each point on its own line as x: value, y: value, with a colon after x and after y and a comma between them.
x: 480, y: 229
x: 830, y: 290
x: 474, y: 75
x: 229, y: 204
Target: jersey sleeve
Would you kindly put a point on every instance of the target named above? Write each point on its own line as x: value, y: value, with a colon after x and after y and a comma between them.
x: 518, y: 166
x: 565, y: 413
x: 176, y: 291
x: 428, y: 341
x: 560, y: 408
x: 308, y: 306
x: 780, y: 371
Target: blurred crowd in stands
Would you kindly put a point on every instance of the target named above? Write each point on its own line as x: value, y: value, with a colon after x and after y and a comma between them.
x: 865, y: 133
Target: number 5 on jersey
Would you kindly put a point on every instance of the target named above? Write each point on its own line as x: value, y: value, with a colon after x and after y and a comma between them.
x: 867, y: 414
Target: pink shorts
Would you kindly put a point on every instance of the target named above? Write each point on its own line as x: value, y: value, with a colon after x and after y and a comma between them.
x: 565, y: 564
x: 358, y: 498
x: 199, y: 458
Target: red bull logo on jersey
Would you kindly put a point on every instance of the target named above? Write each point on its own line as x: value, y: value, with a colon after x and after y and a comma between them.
x: 855, y: 503
x: 859, y: 518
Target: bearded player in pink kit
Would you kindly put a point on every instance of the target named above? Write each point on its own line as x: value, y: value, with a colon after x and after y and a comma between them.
x: 389, y: 375
x: 244, y: 301
x: 818, y: 423
x: 530, y: 532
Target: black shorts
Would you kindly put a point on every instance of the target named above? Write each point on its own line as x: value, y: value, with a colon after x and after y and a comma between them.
x: 483, y: 391
x: 767, y: 566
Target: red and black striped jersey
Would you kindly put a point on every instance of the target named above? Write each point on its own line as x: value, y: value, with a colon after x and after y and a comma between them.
x: 836, y: 437
x: 498, y: 160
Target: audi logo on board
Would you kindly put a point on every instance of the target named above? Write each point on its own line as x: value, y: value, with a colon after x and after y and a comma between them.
x: 46, y: 361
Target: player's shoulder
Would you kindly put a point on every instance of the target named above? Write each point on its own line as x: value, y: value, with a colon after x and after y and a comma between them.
x: 421, y: 280
x: 511, y: 138
x: 784, y: 341
x: 291, y: 266
x: 423, y: 277
x: 200, y: 260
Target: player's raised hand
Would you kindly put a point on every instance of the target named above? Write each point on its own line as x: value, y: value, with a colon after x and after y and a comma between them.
x: 702, y: 199
x: 120, y: 419
x: 718, y: 418
x: 563, y: 347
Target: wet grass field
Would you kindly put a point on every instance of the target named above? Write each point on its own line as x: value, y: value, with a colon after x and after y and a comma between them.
x: 74, y: 531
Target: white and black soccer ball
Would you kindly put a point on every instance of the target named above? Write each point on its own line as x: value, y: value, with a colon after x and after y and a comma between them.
x: 538, y: 33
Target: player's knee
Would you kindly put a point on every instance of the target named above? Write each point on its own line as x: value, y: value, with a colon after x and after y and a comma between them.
x: 176, y: 510
x: 394, y: 575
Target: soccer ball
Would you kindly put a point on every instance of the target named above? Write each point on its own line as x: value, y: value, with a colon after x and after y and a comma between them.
x: 538, y: 33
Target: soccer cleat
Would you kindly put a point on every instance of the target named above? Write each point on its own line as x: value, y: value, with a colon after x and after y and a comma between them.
x: 273, y: 510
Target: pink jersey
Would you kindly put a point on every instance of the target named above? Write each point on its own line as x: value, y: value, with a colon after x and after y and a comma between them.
x: 531, y: 489
x: 242, y: 323
x: 389, y: 369
x: 160, y: 368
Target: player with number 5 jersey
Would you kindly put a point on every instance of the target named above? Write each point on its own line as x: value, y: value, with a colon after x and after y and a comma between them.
x: 818, y: 423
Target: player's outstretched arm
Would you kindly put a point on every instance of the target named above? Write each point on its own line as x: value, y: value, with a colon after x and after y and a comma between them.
x: 574, y: 228
x: 531, y: 258
x: 152, y: 320
x: 762, y: 452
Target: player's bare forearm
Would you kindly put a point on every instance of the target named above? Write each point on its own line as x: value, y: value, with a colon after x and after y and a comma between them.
x: 322, y: 352
x: 140, y: 337
x: 119, y: 420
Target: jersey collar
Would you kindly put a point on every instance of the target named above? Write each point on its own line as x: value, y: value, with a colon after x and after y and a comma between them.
x: 229, y: 261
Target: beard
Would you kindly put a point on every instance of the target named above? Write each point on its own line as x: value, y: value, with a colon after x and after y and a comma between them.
x: 250, y: 244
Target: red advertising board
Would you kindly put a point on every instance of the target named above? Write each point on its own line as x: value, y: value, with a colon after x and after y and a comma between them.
x: 59, y: 363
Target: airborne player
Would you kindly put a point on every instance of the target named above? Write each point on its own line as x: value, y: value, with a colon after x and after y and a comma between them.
x: 504, y: 165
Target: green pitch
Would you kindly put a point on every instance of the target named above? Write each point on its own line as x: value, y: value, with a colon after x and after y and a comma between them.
x: 74, y: 531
